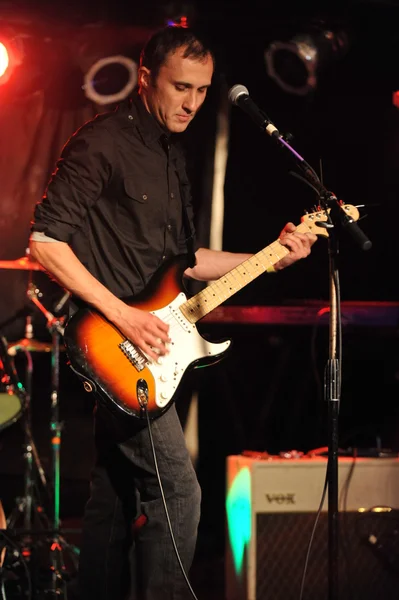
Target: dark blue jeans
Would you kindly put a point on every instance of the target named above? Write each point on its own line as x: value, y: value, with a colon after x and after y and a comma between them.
x: 126, y: 550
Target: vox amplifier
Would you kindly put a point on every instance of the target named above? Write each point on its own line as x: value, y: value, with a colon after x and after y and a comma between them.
x: 271, y: 506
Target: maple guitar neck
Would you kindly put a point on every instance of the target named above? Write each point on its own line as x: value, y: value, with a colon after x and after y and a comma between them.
x: 220, y: 290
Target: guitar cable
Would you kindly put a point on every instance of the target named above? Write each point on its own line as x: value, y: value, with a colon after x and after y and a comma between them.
x: 165, y: 505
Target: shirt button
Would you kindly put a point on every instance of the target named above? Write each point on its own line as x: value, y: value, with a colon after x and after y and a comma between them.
x: 145, y: 197
x: 169, y: 227
x: 163, y: 258
x: 130, y: 117
x: 172, y: 195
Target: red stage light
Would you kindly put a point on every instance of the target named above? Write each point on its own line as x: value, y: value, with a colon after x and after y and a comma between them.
x: 4, y: 59
x: 178, y: 22
x: 12, y: 53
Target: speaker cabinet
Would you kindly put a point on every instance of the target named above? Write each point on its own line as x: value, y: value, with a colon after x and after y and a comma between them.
x: 271, y: 510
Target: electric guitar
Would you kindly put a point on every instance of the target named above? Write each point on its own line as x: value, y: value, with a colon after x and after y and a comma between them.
x: 121, y: 374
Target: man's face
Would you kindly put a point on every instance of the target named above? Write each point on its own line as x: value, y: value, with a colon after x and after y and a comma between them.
x: 178, y: 91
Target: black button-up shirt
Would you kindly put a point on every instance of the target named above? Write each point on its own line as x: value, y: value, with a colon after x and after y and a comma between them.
x: 115, y: 198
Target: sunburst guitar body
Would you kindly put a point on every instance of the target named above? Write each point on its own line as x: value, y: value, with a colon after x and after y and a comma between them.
x: 117, y: 371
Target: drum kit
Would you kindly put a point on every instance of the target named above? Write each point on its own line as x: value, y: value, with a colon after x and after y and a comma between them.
x: 28, y: 527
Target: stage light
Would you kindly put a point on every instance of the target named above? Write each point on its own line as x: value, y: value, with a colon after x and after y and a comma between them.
x: 295, y: 64
x: 110, y: 79
x: 11, y: 54
x: 4, y: 59
x: 179, y: 22
x: 179, y: 13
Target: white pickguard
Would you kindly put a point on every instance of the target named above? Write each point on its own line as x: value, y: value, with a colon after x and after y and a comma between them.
x: 187, y: 346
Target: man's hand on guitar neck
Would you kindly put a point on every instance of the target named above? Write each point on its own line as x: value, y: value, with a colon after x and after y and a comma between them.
x: 298, y: 244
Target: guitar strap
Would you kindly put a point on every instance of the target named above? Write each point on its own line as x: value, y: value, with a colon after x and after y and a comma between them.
x: 188, y: 230
x: 184, y: 198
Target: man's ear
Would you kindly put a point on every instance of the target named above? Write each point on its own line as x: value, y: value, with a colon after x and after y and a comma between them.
x: 144, y: 77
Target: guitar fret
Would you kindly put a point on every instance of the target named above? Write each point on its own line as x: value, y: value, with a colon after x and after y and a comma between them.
x: 236, y: 280
x: 275, y: 253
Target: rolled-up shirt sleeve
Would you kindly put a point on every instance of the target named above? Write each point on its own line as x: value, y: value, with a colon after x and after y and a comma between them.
x: 81, y: 173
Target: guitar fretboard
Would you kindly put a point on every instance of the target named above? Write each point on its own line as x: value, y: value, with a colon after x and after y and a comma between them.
x: 220, y: 290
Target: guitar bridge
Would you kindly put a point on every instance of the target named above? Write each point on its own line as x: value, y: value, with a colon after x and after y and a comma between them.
x: 134, y: 356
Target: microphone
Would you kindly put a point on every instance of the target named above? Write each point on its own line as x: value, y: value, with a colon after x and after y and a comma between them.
x: 353, y: 228
x: 239, y: 96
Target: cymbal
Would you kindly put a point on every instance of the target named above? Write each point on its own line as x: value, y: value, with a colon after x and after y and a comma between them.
x: 24, y: 263
x: 28, y: 344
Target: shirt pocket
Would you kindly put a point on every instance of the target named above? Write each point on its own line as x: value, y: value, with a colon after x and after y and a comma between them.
x: 136, y: 190
x: 141, y: 206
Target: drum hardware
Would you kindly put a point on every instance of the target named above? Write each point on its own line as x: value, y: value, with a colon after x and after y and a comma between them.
x: 17, y: 548
x: 55, y: 326
x: 28, y: 345
x: 26, y: 263
x: 16, y: 401
x: 28, y: 507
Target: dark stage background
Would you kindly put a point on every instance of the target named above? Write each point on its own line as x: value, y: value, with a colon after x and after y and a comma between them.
x: 266, y: 395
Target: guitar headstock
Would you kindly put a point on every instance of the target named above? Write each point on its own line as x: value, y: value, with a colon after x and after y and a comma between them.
x: 313, y: 219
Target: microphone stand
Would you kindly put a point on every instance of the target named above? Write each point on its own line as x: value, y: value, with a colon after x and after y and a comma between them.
x: 337, y: 221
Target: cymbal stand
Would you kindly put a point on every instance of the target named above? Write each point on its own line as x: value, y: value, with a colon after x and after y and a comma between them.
x: 31, y: 456
x: 59, y: 575
x: 27, y: 518
x: 26, y: 504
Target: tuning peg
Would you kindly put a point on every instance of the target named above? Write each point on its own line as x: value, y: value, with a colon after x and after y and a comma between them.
x: 324, y: 224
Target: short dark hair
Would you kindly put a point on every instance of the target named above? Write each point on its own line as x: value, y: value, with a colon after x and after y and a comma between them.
x: 167, y: 41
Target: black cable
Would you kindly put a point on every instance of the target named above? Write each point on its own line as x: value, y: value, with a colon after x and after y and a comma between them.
x: 345, y: 545
x: 166, y: 507
x: 301, y: 178
x: 22, y: 559
x: 305, y: 568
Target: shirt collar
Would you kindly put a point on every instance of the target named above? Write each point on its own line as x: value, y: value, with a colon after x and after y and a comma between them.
x: 148, y: 126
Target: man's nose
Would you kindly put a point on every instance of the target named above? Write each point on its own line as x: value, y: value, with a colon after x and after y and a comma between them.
x: 190, y: 101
